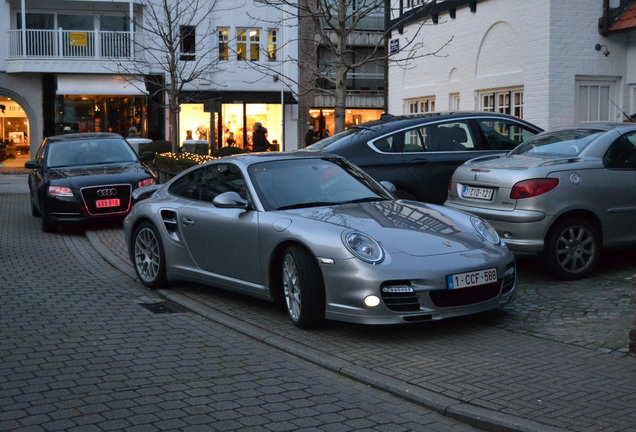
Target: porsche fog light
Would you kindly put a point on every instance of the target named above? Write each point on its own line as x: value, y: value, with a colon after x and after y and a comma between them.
x: 371, y: 301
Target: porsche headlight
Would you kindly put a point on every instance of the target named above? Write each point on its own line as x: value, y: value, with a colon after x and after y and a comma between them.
x: 486, y: 231
x: 364, y: 247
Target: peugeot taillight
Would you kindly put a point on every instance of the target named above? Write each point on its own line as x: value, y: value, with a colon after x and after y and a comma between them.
x: 532, y: 188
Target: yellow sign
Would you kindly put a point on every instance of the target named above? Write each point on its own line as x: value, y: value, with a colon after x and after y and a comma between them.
x: 78, y: 39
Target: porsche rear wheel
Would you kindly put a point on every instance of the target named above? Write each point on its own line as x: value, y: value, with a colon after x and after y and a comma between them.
x: 303, y: 288
x: 148, y: 256
x: 573, y: 248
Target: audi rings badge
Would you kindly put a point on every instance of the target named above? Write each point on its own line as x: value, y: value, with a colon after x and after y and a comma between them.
x: 109, y: 192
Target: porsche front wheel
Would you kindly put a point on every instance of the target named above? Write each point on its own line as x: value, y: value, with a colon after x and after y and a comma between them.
x: 148, y: 256
x: 303, y: 288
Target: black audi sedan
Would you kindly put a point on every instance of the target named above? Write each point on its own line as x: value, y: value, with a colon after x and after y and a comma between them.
x: 419, y: 153
x: 80, y: 177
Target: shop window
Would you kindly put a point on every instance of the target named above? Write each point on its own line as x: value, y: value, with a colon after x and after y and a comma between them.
x: 224, y: 36
x: 188, y: 42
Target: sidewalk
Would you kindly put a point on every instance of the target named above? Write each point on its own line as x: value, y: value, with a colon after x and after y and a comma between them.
x: 490, y: 378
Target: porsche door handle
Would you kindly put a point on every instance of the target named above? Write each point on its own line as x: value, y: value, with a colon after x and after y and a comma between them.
x: 187, y: 221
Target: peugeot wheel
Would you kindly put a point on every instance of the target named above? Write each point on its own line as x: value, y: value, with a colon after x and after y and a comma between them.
x: 303, y: 288
x: 149, y: 256
x: 573, y: 249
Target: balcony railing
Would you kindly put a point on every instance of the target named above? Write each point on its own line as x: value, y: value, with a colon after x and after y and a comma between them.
x: 72, y: 44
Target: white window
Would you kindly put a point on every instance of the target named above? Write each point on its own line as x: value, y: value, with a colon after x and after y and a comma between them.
x: 454, y: 102
x: 224, y: 36
x: 594, y: 100
x: 420, y: 106
x: 272, y: 43
x: 504, y: 101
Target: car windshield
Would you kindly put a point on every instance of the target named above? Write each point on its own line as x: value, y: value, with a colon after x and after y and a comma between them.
x: 298, y: 183
x: 89, y: 152
x: 339, y: 140
x: 566, y: 143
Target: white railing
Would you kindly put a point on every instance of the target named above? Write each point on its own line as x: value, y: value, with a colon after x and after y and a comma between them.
x: 71, y: 44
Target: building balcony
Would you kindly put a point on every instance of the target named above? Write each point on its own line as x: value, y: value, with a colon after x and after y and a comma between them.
x: 61, y: 51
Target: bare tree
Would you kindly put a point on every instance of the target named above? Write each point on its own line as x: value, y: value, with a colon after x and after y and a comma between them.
x: 339, y: 28
x: 172, y: 49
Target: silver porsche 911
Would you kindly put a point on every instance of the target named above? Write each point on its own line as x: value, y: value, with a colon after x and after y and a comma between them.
x: 565, y: 193
x: 317, y: 232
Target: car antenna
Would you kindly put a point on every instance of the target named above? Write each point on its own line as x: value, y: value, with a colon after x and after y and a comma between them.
x: 623, y: 112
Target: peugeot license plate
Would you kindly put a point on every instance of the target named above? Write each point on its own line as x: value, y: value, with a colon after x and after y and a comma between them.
x: 477, y: 193
x: 471, y: 279
x: 105, y: 203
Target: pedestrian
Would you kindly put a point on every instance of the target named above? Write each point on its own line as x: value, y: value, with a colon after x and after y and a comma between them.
x: 309, y: 136
x: 132, y: 132
x: 259, y: 139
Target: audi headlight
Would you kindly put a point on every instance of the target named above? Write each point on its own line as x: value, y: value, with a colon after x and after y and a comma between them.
x: 486, y: 231
x: 60, y: 191
x: 363, y: 247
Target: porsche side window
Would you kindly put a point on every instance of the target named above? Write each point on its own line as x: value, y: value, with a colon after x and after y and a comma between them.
x: 503, y: 134
x: 222, y: 178
x: 188, y: 186
x: 622, y: 153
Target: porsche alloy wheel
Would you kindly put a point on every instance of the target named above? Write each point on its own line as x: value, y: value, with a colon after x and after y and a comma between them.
x: 572, y: 249
x: 149, y: 257
x: 303, y: 288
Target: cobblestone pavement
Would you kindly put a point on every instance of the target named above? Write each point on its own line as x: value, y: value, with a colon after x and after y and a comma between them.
x: 81, y: 350
x: 557, y: 358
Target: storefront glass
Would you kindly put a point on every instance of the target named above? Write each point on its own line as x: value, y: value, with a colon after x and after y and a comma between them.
x: 14, y: 127
x: 95, y: 113
x: 194, y: 123
x: 323, y: 119
x: 236, y: 121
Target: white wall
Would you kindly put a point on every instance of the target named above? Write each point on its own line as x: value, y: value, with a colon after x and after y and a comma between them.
x: 541, y: 45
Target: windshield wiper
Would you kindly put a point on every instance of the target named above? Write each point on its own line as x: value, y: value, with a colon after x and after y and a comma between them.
x: 307, y: 204
x: 366, y: 199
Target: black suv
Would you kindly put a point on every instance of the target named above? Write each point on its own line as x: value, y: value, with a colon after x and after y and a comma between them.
x: 419, y: 153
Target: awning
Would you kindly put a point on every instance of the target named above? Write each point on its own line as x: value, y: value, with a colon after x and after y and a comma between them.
x: 74, y: 84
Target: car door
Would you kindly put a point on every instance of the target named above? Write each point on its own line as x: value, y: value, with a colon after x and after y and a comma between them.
x: 432, y: 152
x: 616, y: 190
x: 221, y: 241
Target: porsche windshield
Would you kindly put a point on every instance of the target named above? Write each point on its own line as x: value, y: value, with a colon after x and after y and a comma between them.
x: 309, y: 182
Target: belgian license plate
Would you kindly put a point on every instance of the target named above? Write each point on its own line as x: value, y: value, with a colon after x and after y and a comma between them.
x: 477, y: 193
x: 105, y: 203
x: 471, y: 279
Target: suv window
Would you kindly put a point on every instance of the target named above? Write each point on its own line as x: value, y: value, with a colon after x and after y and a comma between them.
x: 437, y: 137
x: 503, y: 134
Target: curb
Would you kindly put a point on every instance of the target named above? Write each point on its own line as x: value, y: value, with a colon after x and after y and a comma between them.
x: 482, y: 418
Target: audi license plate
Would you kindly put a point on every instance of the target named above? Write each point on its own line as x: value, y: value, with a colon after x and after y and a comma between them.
x: 477, y: 193
x: 113, y: 202
x: 471, y: 279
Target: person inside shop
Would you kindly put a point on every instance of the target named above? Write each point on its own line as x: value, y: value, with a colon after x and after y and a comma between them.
x: 259, y: 139
x: 202, y: 132
x: 132, y: 132
x: 230, y: 141
x: 309, y: 136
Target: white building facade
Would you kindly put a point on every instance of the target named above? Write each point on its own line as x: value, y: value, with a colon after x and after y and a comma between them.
x: 550, y: 62
x: 68, y: 63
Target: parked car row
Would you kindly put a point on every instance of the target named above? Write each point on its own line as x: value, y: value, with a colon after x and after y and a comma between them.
x: 327, y: 231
